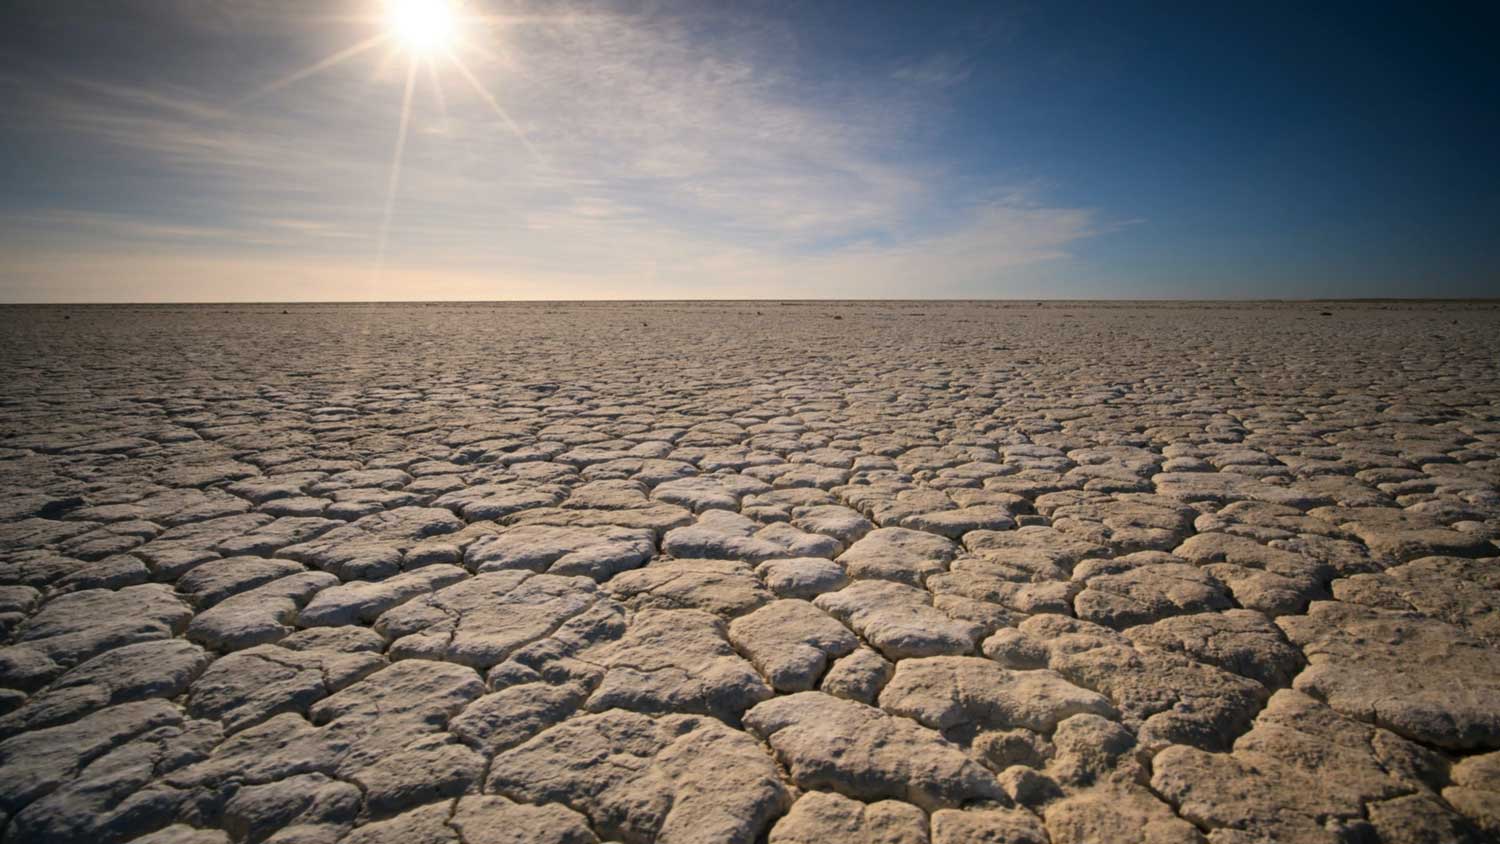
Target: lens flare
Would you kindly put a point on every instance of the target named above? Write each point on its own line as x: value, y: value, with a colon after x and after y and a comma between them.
x: 430, y: 35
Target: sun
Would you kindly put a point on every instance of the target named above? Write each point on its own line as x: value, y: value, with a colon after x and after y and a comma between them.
x: 433, y: 34
x: 423, y: 27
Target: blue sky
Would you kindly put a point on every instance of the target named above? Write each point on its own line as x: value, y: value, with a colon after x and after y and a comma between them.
x: 168, y: 150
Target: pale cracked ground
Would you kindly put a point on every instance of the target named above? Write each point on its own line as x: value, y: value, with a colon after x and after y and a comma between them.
x: 734, y: 573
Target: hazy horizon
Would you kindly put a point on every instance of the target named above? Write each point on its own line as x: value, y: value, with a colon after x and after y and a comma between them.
x: 1062, y: 302
x: 260, y: 151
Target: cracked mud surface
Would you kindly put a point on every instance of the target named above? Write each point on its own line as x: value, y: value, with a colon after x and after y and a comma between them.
x: 729, y: 572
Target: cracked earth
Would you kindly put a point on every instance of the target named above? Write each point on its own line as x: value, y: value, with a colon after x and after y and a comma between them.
x: 796, y: 574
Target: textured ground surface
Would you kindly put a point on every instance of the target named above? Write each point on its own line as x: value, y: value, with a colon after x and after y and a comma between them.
x: 886, y: 573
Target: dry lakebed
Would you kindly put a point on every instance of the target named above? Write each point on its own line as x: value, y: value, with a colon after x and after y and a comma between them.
x: 744, y: 572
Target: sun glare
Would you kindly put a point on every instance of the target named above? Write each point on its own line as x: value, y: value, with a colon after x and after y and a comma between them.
x: 433, y: 35
x: 422, y: 26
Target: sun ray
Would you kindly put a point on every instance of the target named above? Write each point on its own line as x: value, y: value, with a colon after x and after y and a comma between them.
x: 315, y: 68
x: 494, y: 105
x: 395, y: 177
x: 469, y: 45
x: 437, y: 89
x: 423, y: 31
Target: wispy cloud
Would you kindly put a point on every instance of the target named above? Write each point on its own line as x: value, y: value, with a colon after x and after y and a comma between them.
x: 668, y: 163
x: 940, y: 70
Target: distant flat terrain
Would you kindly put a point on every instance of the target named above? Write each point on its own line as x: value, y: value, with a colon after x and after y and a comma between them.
x: 796, y: 573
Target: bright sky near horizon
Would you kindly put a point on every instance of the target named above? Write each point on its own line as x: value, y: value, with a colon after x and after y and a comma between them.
x: 247, y: 150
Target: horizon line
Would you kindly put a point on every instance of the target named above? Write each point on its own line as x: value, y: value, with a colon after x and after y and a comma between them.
x: 1492, y: 300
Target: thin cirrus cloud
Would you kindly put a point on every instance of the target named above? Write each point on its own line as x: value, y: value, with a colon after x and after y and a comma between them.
x: 622, y: 156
